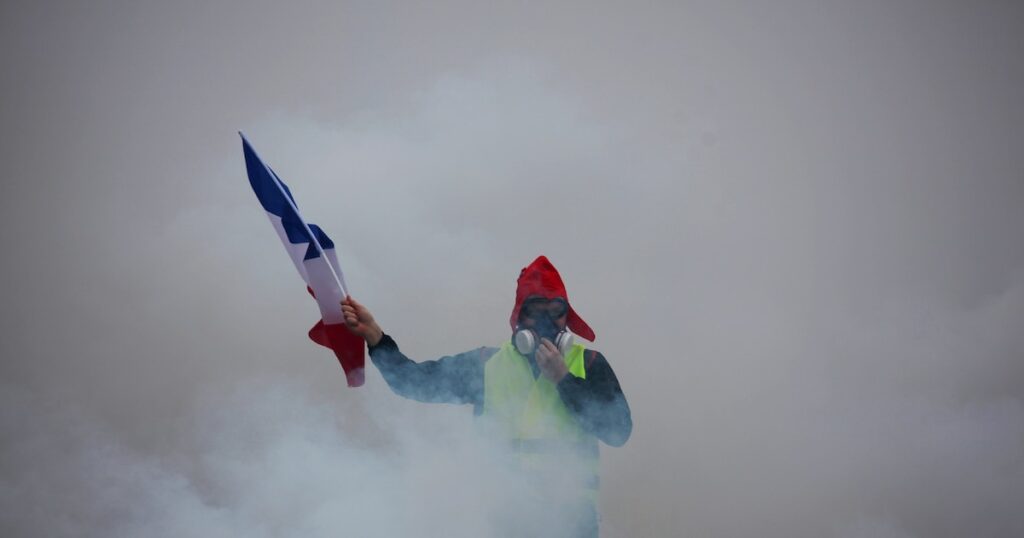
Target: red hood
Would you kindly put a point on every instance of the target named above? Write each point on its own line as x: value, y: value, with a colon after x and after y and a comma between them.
x: 541, y: 279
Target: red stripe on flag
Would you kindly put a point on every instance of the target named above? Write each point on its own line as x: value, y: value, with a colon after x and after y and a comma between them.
x: 347, y: 347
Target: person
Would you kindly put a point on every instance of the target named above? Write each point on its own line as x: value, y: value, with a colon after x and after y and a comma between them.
x: 548, y: 397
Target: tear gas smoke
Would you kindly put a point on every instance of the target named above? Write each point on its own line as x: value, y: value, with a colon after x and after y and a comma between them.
x: 794, y: 227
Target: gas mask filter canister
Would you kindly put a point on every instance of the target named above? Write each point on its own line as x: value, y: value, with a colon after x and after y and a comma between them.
x: 527, y: 340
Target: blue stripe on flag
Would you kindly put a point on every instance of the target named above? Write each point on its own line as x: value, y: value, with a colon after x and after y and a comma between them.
x: 274, y: 202
x: 264, y: 186
x: 325, y: 242
x: 294, y: 230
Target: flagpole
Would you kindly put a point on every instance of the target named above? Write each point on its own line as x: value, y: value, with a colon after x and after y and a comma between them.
x: 312, y: 237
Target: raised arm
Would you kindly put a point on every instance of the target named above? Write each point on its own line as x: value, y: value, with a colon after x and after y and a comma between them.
x: 455, y: 379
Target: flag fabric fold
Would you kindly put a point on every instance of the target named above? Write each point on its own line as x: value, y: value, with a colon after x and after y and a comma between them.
x: 313, y: 254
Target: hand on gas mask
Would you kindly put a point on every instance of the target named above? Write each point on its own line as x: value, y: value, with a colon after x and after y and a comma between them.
x: 551, y: 361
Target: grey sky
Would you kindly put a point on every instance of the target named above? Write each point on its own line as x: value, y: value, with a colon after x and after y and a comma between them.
x: 795, y: 227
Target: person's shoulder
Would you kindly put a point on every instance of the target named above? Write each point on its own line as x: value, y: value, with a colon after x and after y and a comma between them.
x: 483, y: 353
x: 592, y: 356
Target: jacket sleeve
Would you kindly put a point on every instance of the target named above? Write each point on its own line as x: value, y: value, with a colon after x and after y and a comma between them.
x: 457, y: 379
x: 598, y: 402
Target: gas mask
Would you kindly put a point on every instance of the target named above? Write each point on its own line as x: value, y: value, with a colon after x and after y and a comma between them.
x: 527, y: 339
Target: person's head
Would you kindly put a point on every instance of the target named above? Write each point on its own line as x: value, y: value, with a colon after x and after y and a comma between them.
x: 542, y: 303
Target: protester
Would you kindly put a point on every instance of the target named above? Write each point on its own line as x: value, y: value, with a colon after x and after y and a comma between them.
x: 547, y: 397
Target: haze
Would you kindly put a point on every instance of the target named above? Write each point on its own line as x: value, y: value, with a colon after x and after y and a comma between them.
x: 794, y: 226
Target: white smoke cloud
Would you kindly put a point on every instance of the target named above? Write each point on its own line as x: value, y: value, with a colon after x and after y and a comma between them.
x: 795, y: 231
x: 271, y: 462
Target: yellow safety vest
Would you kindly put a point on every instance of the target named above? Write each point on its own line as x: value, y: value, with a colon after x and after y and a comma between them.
x: 529, y: 413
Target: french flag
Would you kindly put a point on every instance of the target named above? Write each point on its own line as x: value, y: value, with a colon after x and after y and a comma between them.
x: 313, y: 254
